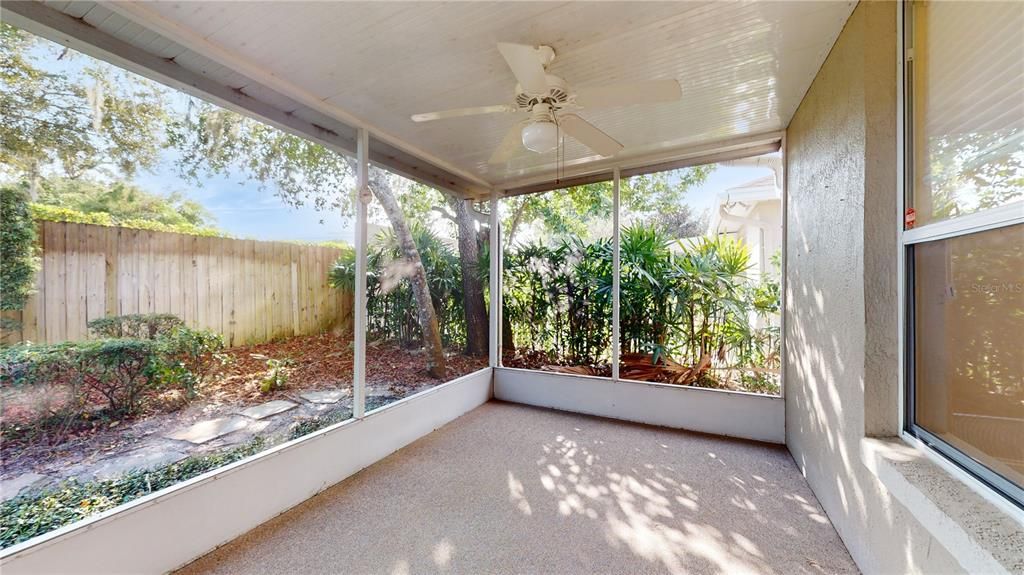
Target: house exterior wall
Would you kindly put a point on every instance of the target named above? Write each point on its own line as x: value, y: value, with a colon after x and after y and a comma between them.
x: 767, y: 240
x: 841, y: 365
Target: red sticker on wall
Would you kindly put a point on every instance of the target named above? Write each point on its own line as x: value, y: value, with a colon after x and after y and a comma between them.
x: 909, y: 217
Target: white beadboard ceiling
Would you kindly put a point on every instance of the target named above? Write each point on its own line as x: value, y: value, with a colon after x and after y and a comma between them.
x: 743, y: 66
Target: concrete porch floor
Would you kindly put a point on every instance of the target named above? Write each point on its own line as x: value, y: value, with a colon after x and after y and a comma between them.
x: 515, y: 489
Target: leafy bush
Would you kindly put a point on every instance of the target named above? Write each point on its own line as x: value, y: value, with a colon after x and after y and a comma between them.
x: 139, y: 326
x: 189, y: 357
x: 391, y: 305
x: 688, y: 300
x: 29, y: 515
x: 27, y: 363
x: 17, y: 249
x: 59, y: 400
x: 277, y: 373
x: 559, y: 299
x: 118, y: 369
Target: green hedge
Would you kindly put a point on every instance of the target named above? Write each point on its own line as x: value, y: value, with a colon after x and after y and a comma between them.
x: 156, y: 351
x: 44, y: 212
x: 17, y: 249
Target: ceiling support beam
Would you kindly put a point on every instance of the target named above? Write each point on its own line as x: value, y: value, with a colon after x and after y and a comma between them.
x: 38, y: 19
x: 144, y: 15
x: 43, y: 21
x: 732, y: 149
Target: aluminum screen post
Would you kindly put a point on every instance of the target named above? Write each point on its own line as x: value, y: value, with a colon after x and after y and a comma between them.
x: 615, y: 274
x: 363, y: 197
x: 495, y: 282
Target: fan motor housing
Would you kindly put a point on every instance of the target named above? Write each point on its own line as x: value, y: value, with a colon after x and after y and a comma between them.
x: 556, y: 97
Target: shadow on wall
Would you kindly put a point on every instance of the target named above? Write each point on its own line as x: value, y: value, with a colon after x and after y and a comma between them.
x: 840, y: 156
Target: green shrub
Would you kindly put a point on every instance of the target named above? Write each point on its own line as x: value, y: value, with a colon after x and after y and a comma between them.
x: 118, y: 369
x: 139, y: 326
x: 277, y: 373
x: 189, y: 358
x: 391, y: 306
x: 17, y: 249
x: 29, y: 515
x: 27, y: 363
x: 60, y: 402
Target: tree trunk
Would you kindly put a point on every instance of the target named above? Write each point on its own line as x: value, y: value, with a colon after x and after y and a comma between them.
x: 381, y: 187
x: 517, y: 217
x: 508, y: 339
x: 477, y: 323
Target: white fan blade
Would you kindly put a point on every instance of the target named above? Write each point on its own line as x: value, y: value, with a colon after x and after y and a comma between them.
x: 587, y: 134
x: 509, y: 146
x: 459, y: 112
x: 526, y: 67
x: 651, y: 92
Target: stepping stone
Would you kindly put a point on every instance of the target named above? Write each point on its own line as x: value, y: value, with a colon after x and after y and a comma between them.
x: 146, y: 458
x: 329, y: 396
x: 269, y: 408
x: 210, y: 429
x: 11, y: 488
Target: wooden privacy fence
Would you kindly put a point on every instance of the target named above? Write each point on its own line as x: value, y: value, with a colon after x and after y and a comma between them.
x: 249, y: 291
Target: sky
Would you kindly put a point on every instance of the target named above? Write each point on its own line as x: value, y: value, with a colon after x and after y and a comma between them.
x: 249, y: 209
x: 242, y: 209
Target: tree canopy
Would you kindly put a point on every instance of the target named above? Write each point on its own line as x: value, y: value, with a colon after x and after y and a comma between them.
x: 657, y: 199
x: 212, y: 140
x: 123, y: 201
x: 73, y: 124
x: 17, y: 249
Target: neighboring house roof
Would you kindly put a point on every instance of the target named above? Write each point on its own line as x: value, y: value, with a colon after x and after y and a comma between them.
x: 739, y: 201
x: 754, y: 187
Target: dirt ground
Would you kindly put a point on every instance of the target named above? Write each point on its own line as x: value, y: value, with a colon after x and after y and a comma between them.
x: 309, y: 362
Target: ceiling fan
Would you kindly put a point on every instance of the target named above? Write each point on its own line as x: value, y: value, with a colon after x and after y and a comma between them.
x: 551, y: 105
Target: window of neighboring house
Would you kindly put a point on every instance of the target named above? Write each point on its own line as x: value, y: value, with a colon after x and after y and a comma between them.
x: 964, y: 236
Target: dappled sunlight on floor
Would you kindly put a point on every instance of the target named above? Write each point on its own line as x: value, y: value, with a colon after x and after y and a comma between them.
x: 508, y: 488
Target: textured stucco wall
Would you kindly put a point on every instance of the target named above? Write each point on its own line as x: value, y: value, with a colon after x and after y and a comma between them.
x: 841, y: 368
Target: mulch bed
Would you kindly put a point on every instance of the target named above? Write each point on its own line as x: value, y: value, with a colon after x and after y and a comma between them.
x: 325, y: 361
x: 311, y: 363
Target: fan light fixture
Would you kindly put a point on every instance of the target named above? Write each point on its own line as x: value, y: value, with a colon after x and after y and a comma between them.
x: 540, y: 137
x: 552, y: 105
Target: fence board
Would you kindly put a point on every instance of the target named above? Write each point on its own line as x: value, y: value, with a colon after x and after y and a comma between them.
x: 54, y: 272
x: 74, y: 291
x: 190, y: 295
x: 95, y: 274
x: 250, y: 291
x: 260, y: 299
